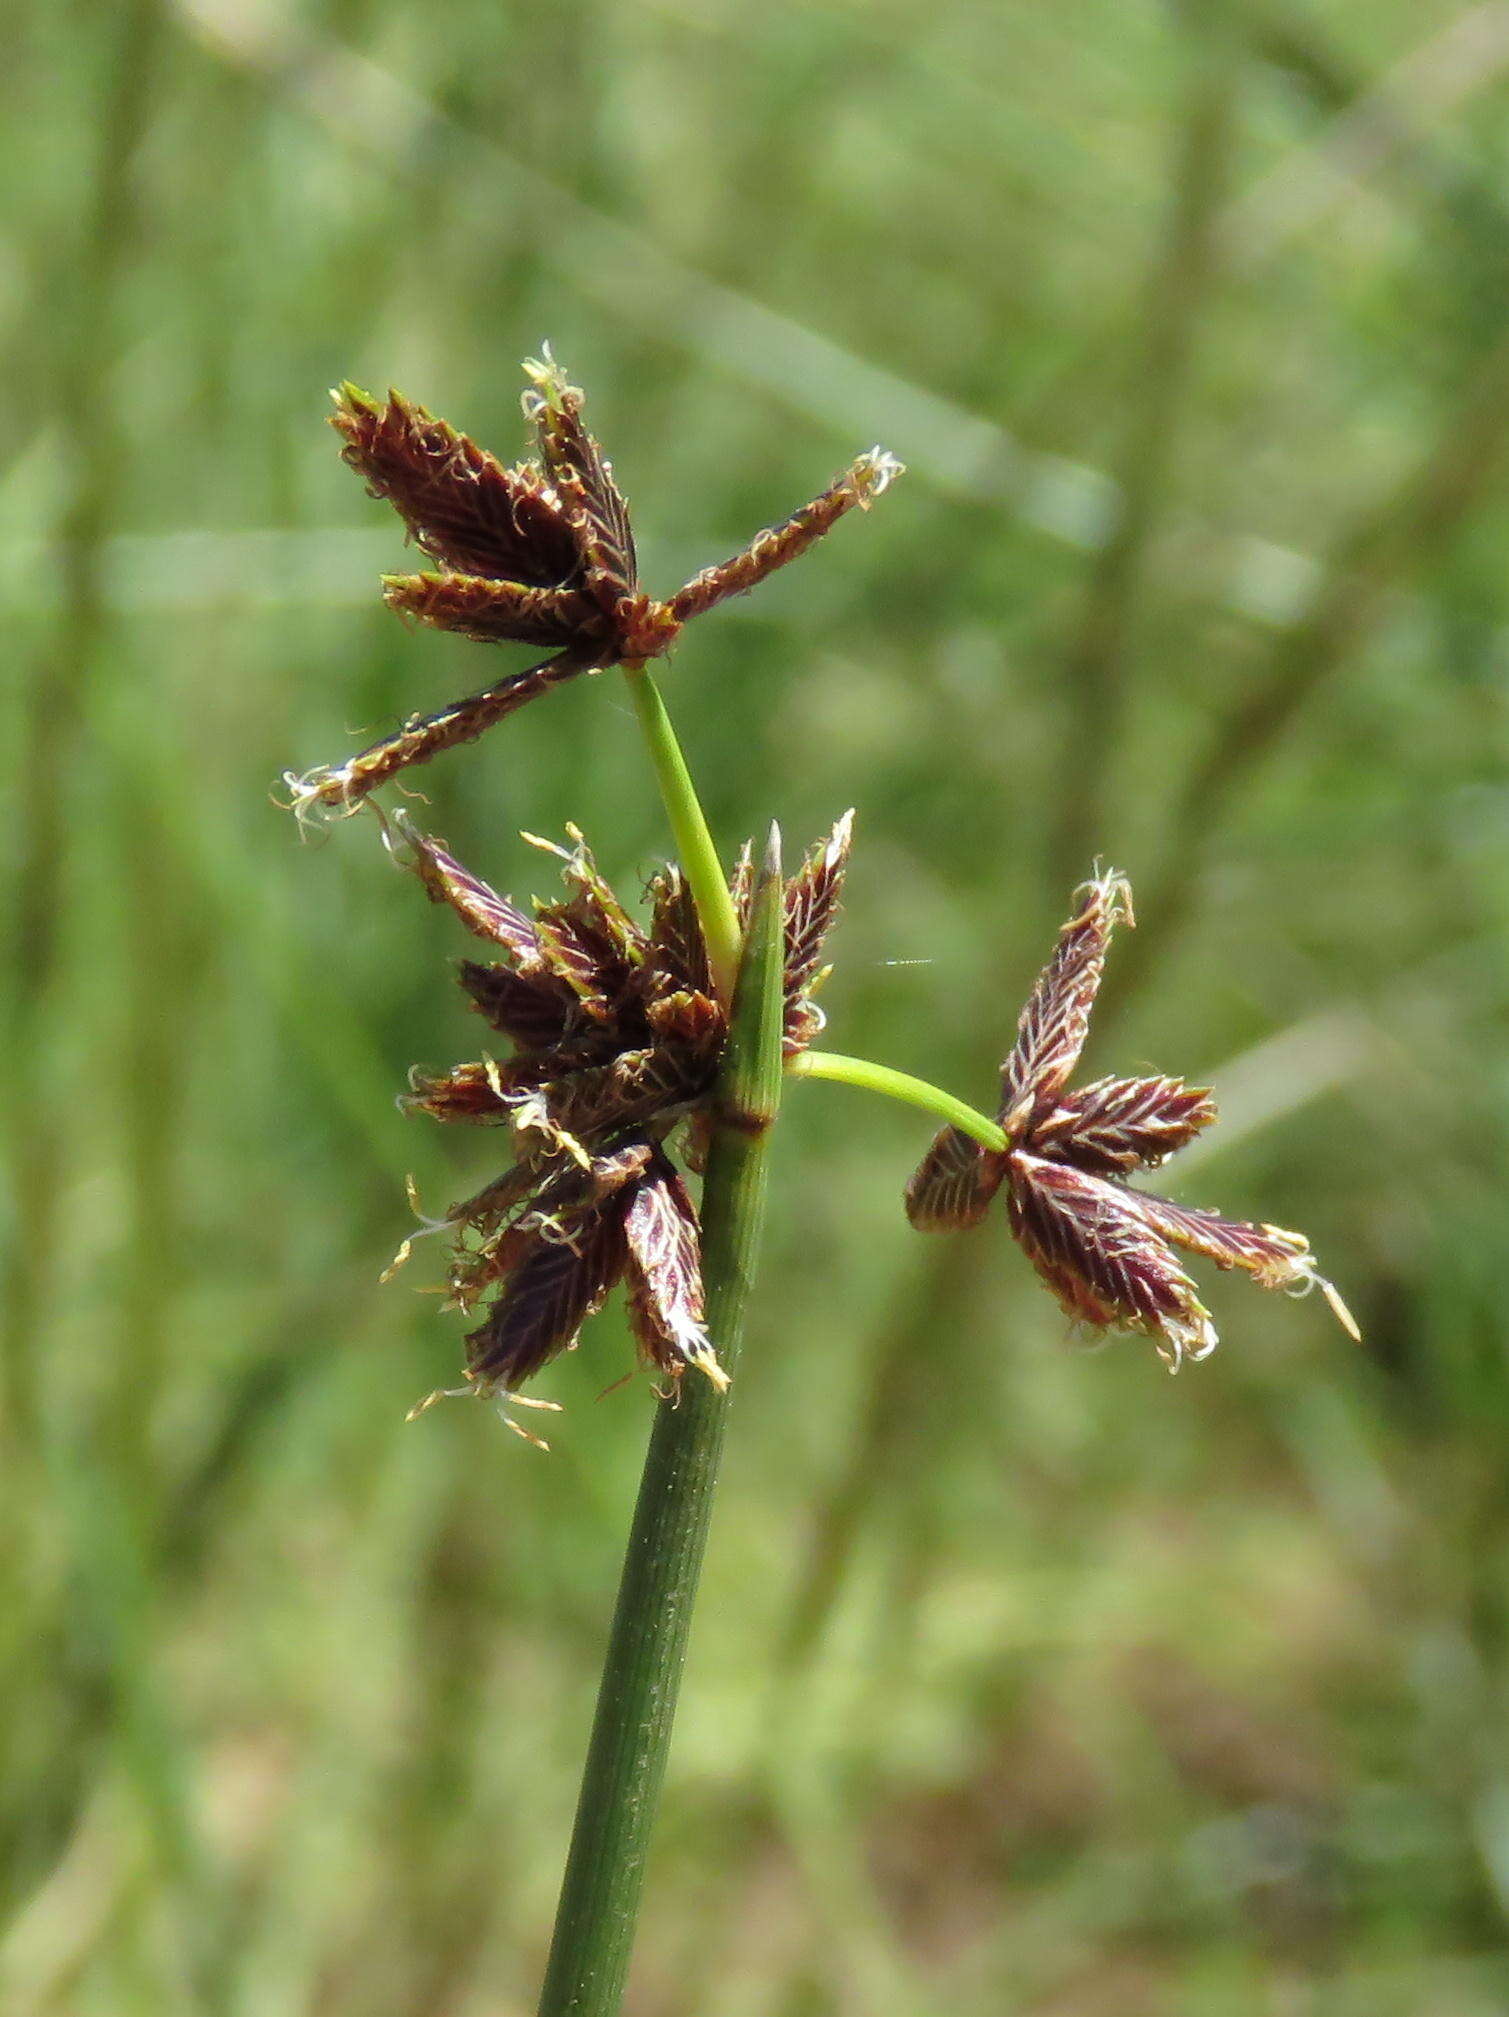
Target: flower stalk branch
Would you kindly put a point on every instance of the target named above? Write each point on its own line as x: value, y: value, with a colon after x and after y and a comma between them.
x: 914, y: 1092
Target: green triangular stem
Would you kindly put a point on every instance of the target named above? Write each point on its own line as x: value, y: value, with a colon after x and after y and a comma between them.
x: 631, y: 1734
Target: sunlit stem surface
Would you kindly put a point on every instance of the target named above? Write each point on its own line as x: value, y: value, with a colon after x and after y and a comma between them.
x: 631, y: 1734
x: 694, y: 843
x: 874, y: 1078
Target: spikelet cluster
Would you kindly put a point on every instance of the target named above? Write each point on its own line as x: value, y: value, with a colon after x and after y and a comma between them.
x: 1105, y: 1248
x: 613, y: 1034
x: 540, y: 554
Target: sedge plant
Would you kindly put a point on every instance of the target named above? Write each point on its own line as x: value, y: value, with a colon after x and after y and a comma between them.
x: 640, y: 1050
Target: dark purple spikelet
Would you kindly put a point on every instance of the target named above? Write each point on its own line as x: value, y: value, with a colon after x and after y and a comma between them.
x: 664, y: 1268
x: 614, y: 1037
x: 460, y: 505
x: 496, y: 612
x: 953, y: 1185
x: 1104, y: 1249
x: 1121, y: 1125
x: 541, y: 554
x: 812, y: 899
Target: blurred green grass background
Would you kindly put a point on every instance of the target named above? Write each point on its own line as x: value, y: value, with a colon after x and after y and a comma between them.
x: 1023, y: 1680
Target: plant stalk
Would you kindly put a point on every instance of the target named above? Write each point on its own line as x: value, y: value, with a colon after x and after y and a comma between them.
x: 636, y: 1705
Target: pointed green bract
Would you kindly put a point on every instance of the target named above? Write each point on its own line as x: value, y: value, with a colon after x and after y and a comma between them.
x: 699, y: 857
x: 749, y: 1092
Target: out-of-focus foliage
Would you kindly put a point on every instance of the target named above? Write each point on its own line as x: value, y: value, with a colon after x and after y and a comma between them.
x: 1024, y: 1680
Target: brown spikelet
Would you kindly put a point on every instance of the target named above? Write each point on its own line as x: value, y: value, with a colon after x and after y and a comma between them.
x: 665, y: 1274
x: 469, y: 1092
x: 690, y: 1020
x: 582, y: 479
x: 575, y: 954
x: 596, y: 901
x: 459, y: 503
x: 1275, y: 1259
x: 495, y: 612
x: 589, y: 940
x: 860, y: 484
x: 1121, y: 1125
x: 478, y: 906
x: 534, y: 1010
x: 486, y: 1211
x: 340, y: 789
x: 1101, y: 1258
x: 953, y: 1185
x: 812, y: 900
x: 1053, y: 1026
x: 636, y: 1087
x: 677, y: 959
x: 561, y: 1279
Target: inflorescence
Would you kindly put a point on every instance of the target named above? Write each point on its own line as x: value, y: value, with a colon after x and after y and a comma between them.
x: 615, y: 1030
